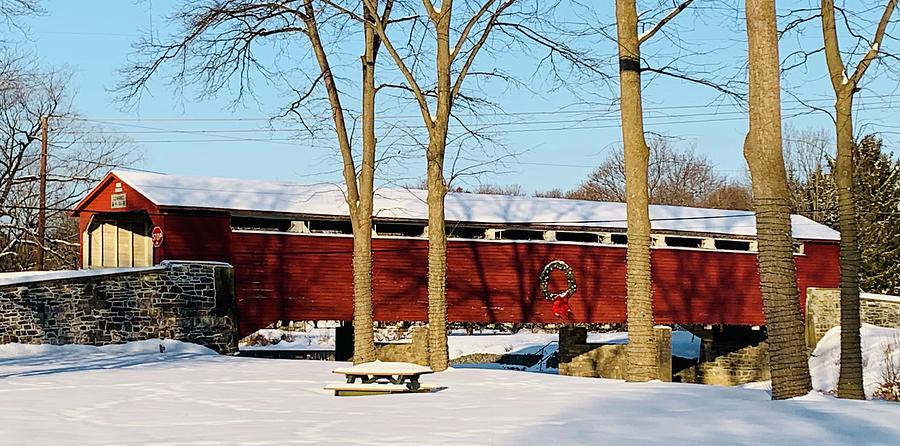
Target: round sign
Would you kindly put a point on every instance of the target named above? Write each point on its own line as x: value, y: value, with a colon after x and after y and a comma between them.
x: 157, y: 236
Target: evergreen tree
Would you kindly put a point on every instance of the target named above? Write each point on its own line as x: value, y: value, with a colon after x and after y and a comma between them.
x: 877, y: 183
x: 878, y: 193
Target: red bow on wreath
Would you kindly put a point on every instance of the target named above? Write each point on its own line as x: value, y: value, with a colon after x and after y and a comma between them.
x: 561, y: 308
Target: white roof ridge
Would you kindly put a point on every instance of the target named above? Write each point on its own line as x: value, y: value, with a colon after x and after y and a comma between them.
x: 328, y: 198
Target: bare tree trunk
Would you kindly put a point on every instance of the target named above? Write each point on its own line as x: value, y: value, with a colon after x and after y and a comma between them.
x: 437, y: 190
x: 363, y: 324
x: 359, y: 193
x: 641, y: 345
x: 437, y: 124
x: 438, y: 355
x: 850, y: 381
x: 771, y: 198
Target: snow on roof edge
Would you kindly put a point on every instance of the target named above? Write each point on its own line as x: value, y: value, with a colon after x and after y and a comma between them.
x: 328, y: 199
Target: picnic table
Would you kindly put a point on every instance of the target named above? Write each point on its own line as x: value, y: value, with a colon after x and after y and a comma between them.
x: 379, y: 378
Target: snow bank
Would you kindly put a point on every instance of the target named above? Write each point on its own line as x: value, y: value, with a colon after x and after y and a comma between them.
x: 236, y: 400
x: 825, y: 363
x: 882, y: 297
x: 271, y: 339
x: 149, y: 346
x: 35, y: 276
x: 523, y: 342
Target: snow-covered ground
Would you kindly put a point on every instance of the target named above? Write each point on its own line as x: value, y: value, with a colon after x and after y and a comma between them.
x: 273, y: 339
x: 133, y: 394
x: 684, y: 344
x: 825, y: 362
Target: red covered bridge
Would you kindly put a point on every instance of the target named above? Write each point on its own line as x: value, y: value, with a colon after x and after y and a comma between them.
x: 291, y: 245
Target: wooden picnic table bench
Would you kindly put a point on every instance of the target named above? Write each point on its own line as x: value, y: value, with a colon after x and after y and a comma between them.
x: 380, y: 377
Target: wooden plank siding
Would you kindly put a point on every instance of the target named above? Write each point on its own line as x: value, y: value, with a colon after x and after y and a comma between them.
x: 198, y: 235
x: 98, y: 201
x: 498, y: 281
x: 281, y: 276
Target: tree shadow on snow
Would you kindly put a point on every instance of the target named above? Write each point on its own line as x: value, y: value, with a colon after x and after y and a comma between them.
x: 698, y: 414
x: 39, y: 365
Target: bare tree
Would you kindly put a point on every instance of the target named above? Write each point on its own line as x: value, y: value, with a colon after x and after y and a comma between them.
x: 456, y: 45
x: 217, y: 45
x: 771, y: 197
x: 845, y: 85
x: 675, y: 177
x: 79, y: 155
x: 731, y: 195
x: 12, y: 9
x: 641, y: 344
x: 808, y: 155
x: 552, y: 193
x: 515, y: 190
x: 16, y: 8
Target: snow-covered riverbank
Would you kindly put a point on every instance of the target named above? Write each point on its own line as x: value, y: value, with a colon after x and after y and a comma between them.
x: 133, y: 394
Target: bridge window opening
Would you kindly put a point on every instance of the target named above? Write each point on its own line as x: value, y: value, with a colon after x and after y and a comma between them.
x: 260, y: 224
x: 330, y: 227
x: 465, y: 232
x: 683, y: 242
x: 520, y: 234
x: 399, y: 230
x: 118, y: 242
x: 733, y: 245
x: 582, y: 237
x: 618, y: 239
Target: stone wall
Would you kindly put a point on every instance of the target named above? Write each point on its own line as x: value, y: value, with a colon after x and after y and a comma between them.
x: 414, y: 350
x: 579, y: 358
x: 729, y: 355
x: 823, y: 311
x: 186, y: 301
x: 508, y: 359
x: 732, y: 355
x: 742, y: 366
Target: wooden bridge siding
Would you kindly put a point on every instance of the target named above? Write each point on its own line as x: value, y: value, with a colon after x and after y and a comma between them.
x: 298, y: 277
x: 308, y: 277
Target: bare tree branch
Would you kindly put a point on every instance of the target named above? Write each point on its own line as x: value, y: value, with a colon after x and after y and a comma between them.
x: 646, y: 35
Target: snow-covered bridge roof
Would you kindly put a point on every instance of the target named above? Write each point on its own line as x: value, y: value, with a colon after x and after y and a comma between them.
x: 328, y: 200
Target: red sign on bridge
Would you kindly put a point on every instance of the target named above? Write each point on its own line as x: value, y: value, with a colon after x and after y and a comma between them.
x: 157, y: 236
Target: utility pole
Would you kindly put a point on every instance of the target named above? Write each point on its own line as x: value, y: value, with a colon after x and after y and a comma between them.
x: 42, y: 196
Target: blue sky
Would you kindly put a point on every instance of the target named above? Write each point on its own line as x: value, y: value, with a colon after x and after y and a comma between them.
x: 553, y: 148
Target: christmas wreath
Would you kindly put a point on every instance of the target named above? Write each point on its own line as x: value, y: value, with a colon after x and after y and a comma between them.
x: 560, y: 300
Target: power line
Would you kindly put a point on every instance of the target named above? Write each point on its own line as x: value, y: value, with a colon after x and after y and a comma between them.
x: 239, y: 139
x: 671, y: 119
x: 477, y: 115
x: 155, y: 130
x: 96, y: 162
x: 506, y: 131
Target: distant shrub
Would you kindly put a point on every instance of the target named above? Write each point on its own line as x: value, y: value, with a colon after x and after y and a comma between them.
x: 889, y: 389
